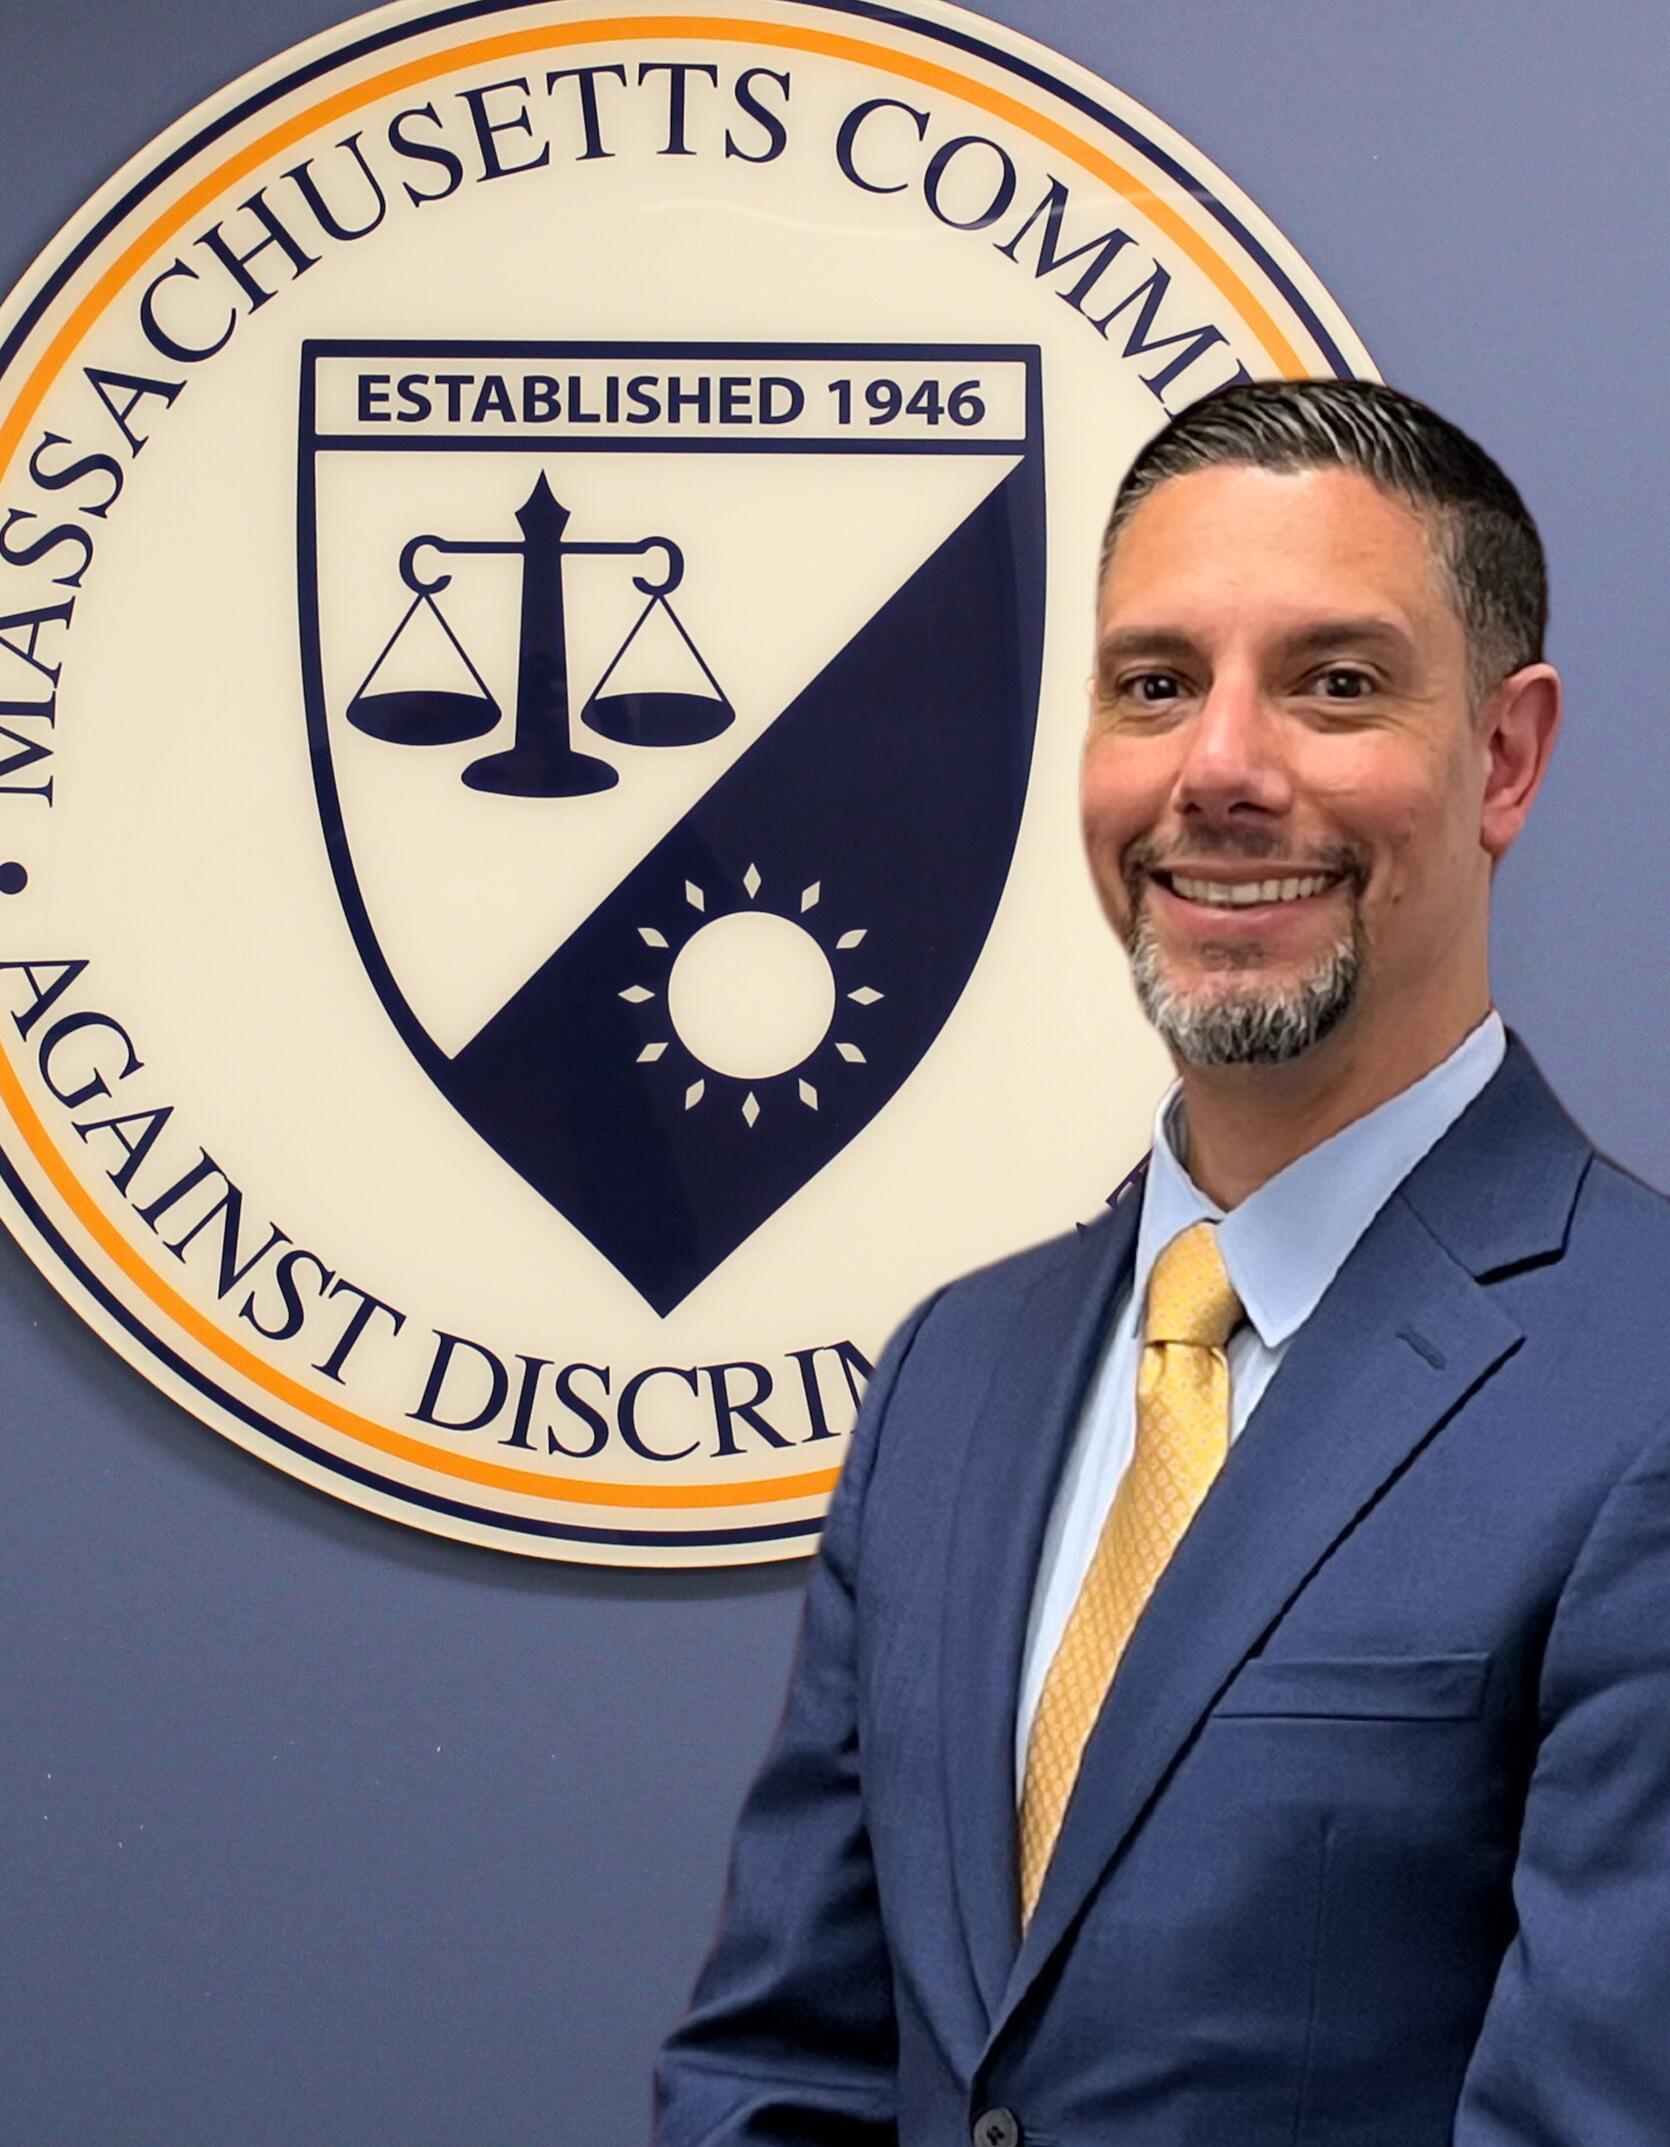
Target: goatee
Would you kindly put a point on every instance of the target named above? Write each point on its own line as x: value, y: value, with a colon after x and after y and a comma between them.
x: 1245, y: 1024
x: 1235, y: 1019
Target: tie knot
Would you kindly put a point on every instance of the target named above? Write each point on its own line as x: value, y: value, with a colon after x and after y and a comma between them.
x: 1190, y: 1296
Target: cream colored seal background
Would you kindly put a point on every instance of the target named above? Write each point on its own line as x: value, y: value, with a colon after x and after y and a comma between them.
x: 180, y: 938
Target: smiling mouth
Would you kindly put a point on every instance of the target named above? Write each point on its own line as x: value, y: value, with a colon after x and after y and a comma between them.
x: 1244, y: 894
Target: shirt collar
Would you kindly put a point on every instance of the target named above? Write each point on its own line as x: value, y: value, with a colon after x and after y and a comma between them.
x: 1284, y: 1244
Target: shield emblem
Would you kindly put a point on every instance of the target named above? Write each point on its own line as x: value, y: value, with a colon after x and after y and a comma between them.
x: 671, y: 709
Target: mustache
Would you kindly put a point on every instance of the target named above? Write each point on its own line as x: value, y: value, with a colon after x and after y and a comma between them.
x: 1246, y: 846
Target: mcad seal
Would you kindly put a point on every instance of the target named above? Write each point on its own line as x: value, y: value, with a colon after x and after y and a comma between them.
x: 545, y: 586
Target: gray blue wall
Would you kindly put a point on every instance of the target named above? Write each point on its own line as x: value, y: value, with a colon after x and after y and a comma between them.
x: 318, y: 1833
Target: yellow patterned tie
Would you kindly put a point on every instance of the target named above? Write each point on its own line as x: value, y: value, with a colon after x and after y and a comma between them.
x: 1182, y: 1436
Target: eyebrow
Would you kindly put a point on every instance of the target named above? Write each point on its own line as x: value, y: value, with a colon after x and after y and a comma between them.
x: 1348, y: 632
x: 1128, y: 642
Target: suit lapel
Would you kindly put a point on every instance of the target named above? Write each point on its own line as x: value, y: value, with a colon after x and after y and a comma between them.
x: 1404, y: 1333
x: 1014, y: 1455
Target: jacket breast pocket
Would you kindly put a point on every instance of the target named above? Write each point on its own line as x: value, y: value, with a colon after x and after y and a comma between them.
x: 1361, y: 1688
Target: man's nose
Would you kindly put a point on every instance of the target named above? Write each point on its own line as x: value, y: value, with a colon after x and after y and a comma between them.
x: 1234, y: 757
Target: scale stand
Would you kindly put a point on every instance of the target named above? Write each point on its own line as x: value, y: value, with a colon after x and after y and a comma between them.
x: 542, y: 760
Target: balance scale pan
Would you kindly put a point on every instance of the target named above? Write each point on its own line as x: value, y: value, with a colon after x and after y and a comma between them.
x: 659, y: 718
x: 422, y: 718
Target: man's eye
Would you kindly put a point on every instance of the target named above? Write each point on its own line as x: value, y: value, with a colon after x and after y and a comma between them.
x: 1152, y: 688
x: 1341, y: 682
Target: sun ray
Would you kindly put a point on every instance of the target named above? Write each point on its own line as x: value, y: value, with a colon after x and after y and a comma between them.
x: 852, y: 1054
x: 694, y: 896
x: 849, y: 940
x: 650, y: 1053
x: 750, y: 1107
x: 866, y: 995
x: 694, y: 1094
x: 636, y: 994
x: 808, y: 1095
x: 651, y: 937
x: 751, y: 881
x: 809, y: 896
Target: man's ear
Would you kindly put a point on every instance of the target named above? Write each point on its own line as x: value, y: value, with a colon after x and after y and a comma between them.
x: 1517, y: 724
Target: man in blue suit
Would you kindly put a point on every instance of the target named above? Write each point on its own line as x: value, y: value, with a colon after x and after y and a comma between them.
x: 1233, y: 1707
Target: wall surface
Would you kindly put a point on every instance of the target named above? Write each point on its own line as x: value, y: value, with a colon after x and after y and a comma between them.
x: 318, y: 1833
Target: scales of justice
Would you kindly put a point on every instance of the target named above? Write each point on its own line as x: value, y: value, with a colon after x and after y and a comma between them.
x: 542, y: 760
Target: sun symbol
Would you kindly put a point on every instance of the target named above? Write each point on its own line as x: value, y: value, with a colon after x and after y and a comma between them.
x: 751, y: 995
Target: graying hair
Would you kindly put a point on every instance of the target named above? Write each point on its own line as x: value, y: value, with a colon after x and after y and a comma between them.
x: 1483, y: 535
x: 1246, y: 1028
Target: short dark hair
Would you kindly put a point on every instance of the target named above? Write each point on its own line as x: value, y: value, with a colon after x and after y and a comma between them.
x: 1485, y: 538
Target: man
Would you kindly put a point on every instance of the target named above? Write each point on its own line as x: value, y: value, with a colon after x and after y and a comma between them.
x: 1234, y: 1700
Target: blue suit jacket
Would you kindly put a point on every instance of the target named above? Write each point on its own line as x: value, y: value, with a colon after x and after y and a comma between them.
x: 1371, y: 1843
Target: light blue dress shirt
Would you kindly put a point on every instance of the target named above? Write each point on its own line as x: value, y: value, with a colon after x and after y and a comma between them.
x: 1282, y: 1246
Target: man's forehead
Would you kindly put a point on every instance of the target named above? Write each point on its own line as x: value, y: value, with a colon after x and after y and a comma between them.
x: 1233, y: 514
x: 1274, y: 541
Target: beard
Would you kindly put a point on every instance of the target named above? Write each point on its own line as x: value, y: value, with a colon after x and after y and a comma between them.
x: 1236, y: 1019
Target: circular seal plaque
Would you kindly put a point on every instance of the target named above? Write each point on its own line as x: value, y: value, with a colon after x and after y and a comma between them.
x: 545, y: 576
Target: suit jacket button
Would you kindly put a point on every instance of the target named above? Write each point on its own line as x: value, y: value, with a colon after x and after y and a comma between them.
x: 997, y: 2128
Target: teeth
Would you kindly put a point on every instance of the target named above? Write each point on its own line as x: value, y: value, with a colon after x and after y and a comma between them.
x: 1240, y: 894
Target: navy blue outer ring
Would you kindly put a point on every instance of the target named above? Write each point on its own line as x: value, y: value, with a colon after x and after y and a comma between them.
x: 329, y: 63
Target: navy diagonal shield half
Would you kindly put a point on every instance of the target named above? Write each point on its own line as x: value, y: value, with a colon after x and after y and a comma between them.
x: 672, y: 710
